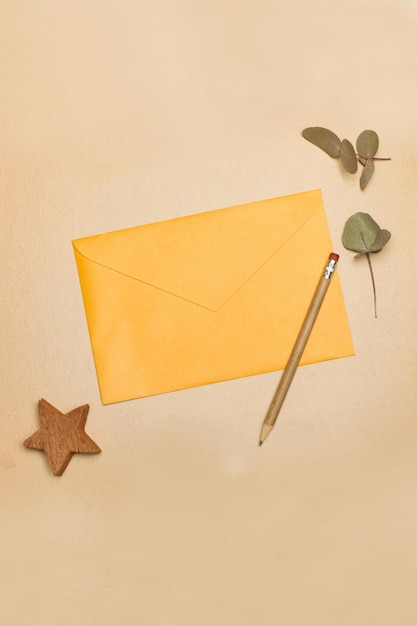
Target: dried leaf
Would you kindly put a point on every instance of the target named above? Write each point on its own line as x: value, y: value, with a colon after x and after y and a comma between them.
x: 367, y: 144
x: 362, y: 234
x: 324, y: 139
x: 381, y: 240
x: 348, y: 157
x: 367, y: 173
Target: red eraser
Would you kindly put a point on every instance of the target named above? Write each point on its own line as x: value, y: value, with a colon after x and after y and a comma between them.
x: 334, y: 256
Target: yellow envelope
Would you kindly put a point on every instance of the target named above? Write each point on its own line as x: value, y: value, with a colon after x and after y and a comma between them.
x: 209, y: 297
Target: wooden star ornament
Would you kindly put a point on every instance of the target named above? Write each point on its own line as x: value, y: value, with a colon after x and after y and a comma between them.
x: 61, y: 435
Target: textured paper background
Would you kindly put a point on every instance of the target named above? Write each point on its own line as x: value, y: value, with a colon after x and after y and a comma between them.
x: 116, y: 113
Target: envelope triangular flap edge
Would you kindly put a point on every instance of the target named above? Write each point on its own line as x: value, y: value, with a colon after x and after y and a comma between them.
x: 231, y: 243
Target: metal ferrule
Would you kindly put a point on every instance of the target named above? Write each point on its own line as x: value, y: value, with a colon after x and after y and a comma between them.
x: 330, y: 268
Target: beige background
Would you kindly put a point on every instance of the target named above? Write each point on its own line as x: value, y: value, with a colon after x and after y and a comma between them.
x: 114, y: 113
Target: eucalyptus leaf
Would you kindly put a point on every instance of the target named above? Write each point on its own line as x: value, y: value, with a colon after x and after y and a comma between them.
x: 367, y: 144
x: 348, y: 157
x: 367, y: 173
x: 381, y: 240
x: 363, y: 235
x: 324, y: 139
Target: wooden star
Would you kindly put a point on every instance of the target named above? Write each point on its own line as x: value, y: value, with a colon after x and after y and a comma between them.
x: 61, y: 435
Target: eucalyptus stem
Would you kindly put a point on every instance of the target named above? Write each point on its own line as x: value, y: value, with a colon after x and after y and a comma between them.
x: 368, y: 257
x: 373, y: 158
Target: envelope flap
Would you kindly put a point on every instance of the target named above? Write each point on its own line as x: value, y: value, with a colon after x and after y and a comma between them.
x: 203, y: 258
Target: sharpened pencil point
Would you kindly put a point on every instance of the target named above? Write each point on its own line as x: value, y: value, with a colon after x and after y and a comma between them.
x: 266, y: 429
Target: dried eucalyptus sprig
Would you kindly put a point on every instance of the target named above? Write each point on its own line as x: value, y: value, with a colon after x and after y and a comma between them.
x: 367, y: 145
x: 363, y: 235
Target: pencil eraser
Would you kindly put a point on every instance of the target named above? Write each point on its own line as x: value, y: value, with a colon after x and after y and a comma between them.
x: 334, y: 257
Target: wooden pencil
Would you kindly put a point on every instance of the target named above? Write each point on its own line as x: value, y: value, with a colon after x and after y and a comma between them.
x: 298, y: 349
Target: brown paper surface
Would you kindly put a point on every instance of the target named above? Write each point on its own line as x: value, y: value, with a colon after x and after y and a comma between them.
x: 115, y: 114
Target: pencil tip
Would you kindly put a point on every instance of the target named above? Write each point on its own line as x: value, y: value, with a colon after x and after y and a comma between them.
x: 266, y: 429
